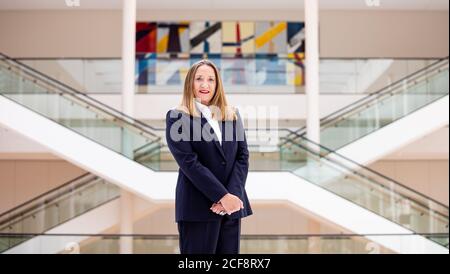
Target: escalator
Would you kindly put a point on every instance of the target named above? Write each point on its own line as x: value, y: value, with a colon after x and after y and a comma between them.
x: 365, y: 187
x: 388, y: 119
x: 79, y: 129
x: 127, y: 153
x: 51, y: 209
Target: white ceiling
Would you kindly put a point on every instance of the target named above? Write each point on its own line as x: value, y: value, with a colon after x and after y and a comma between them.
x: 228, y: 4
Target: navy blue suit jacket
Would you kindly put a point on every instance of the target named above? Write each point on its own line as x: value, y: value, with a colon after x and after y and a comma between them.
x: 207, y: 170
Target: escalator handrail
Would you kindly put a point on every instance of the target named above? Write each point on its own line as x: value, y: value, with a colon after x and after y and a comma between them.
x: 357, y: 104
x: 85, y: 175
x: 83, y: 97
x: 367, y: 169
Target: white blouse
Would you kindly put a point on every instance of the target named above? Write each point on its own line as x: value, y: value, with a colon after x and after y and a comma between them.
x: 212, y: 122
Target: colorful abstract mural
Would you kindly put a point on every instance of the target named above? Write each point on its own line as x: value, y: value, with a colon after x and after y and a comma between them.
x: 238, y: 37
x: 296, y: 69
x: 270, y: 70
x: 145, y: 38
x: 296, y: 37
x: 271, y: 37
x: 247, y: 53
x: 172, y: 69
x: 206, y: 37
x: 146, y: 69
x: 173, y: 37
x: 238, y: 71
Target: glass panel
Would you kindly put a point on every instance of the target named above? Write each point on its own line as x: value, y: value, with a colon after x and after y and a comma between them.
x: 250, y: 244
x: 260, y: 73
x: 378, y: 110
x: 384, y: 111
x: 365, y: 187
x: 56, y: 207
x: 76, y: 112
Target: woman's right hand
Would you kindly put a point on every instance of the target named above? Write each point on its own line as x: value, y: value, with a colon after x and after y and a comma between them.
x: 231, y: 203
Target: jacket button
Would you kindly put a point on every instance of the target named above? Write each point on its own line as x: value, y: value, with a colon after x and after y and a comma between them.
x: 224, y: 163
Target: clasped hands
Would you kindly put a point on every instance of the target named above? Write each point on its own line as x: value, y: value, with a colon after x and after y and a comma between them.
x: 227, y: 205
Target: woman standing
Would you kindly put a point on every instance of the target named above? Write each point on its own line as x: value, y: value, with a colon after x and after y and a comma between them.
x: 207, y: 139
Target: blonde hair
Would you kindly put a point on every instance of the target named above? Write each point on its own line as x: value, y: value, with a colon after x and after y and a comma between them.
x: 221, y: 111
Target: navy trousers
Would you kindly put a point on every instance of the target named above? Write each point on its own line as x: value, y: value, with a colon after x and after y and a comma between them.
x: 212, y: 237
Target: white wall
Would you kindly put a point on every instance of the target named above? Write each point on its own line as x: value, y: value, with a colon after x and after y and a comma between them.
x: 391, y: 34
x: 72, y: 33
x: 429, y: 177
x: 22, y: 180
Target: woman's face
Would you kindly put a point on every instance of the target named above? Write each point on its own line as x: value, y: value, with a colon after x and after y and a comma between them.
x: 204, y: 84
